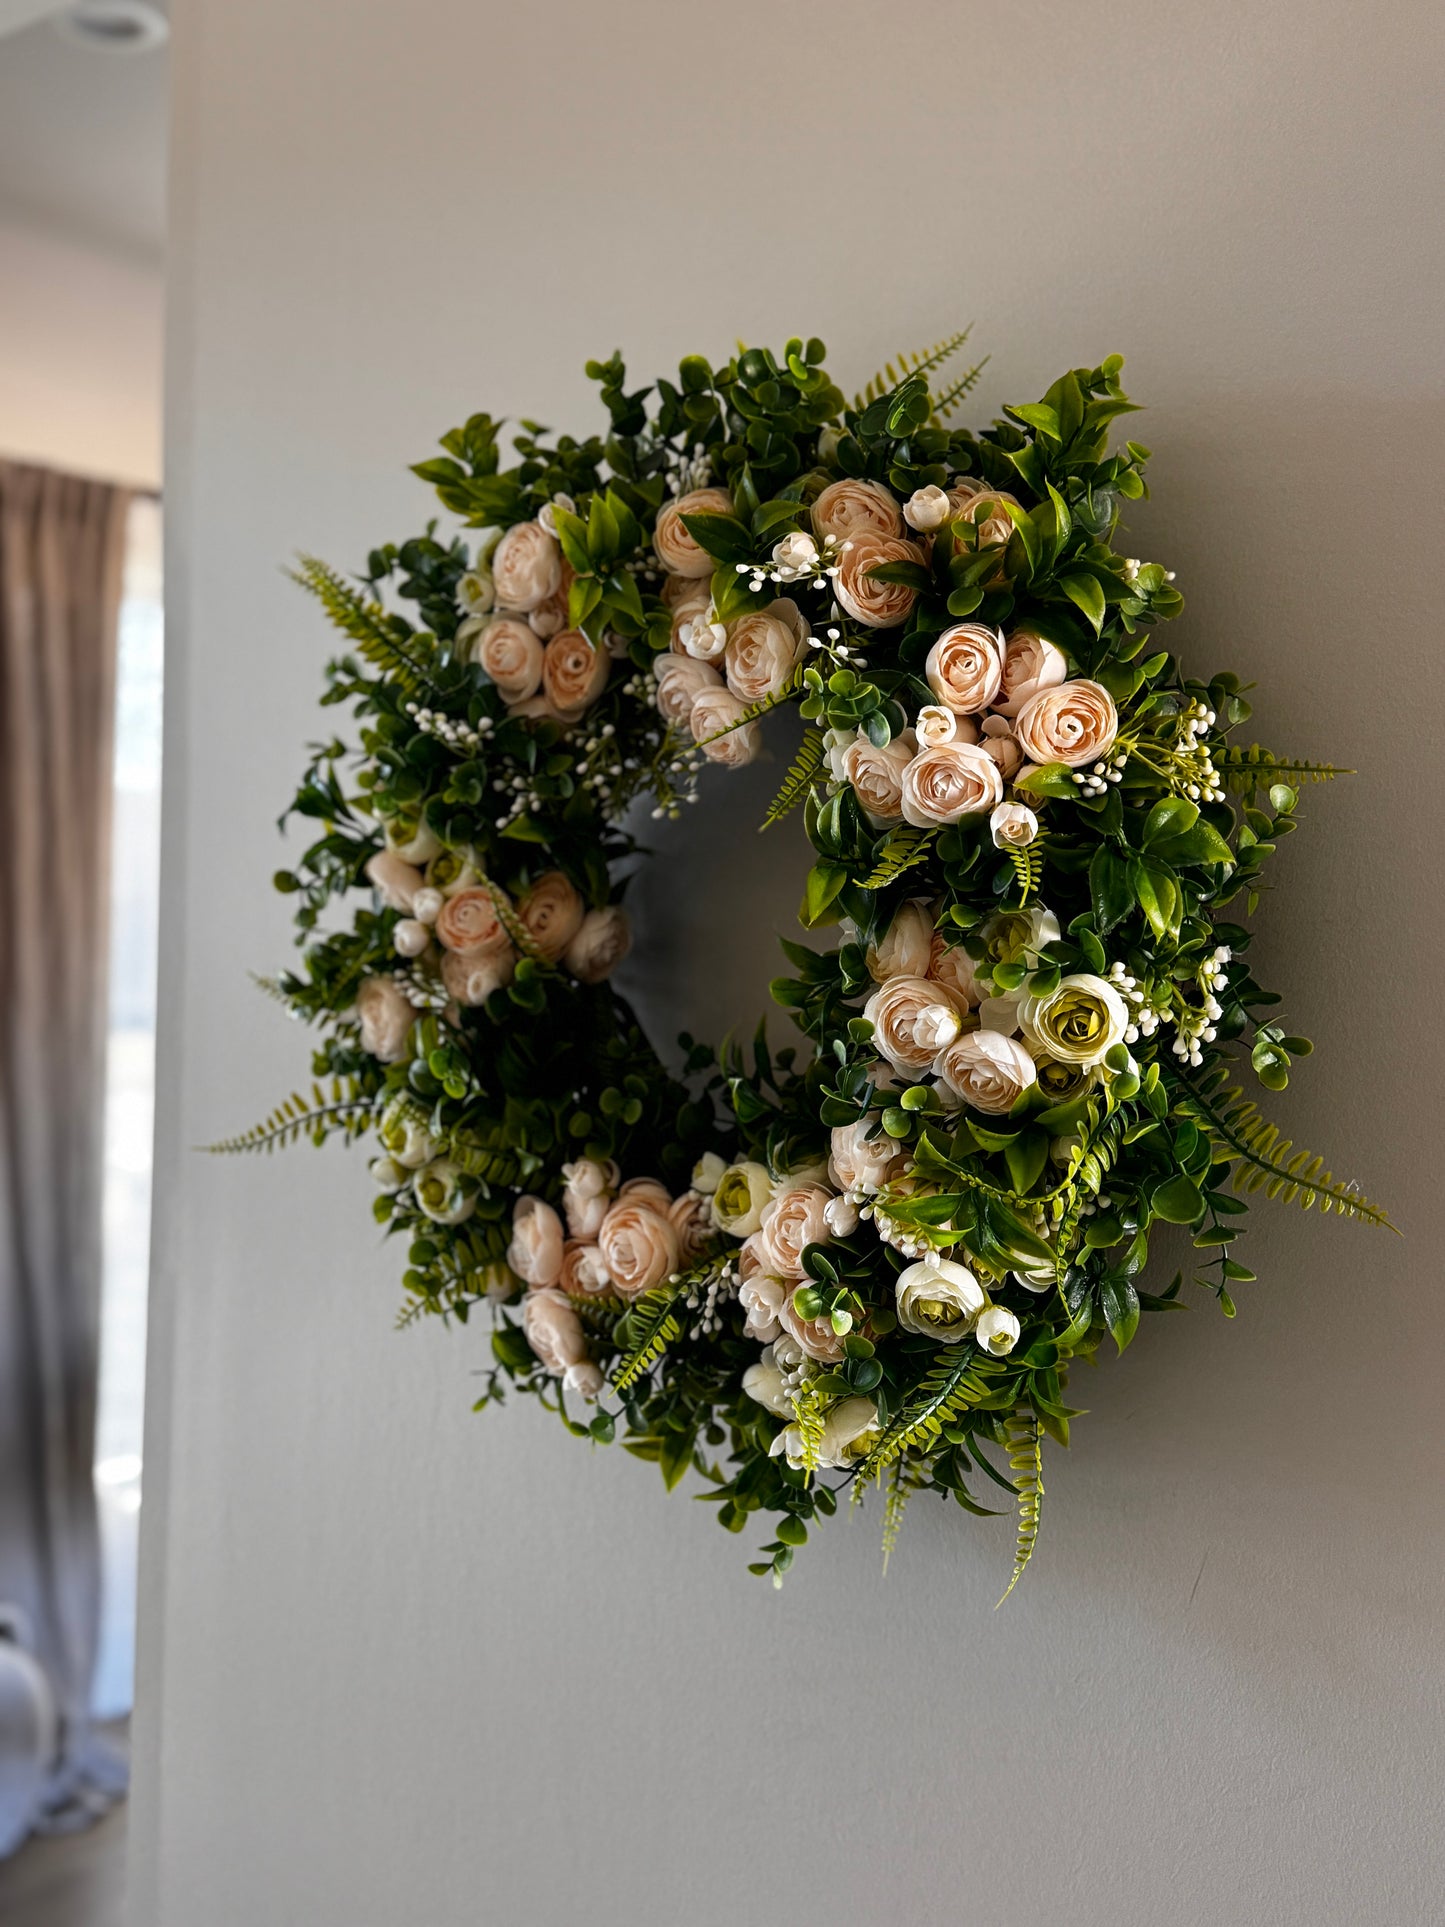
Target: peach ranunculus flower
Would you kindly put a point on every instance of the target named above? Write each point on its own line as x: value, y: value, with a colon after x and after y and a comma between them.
x: 553, y: 1330
x: 987, y: 1070
x: 676, y: 550
x: 681, y: 679
x: 905, y: 947
x: 535, y: 1253
x: 587, y: 1187
x: 950, y: 964
x: 470, y: 977
x: 687, y: 609
x: 878, y: 605
x: 574, y: 673
x: 583, y: 1272
x: 526, y: 567
x: 860, y: 1163
x: 691, y: 1218
x: 850, y: 508
x: 955, y: 780
x: 792, y: 1221
x: 394, y: 880
x: 984, y: 507
x: 1030, y: 663
x: 761, y: 1295
x: 386, y: 1016
x: 1071, y: 723
x: 551, y: 913
x: 718, y: 731
x: 763, y: 650
x: 815, y: 1336
x: 910, y: 1018
x: 603, y: 939
x: 468, y: 923
x: 509, y: 651
x: 877, y: 774
x: 550, y: 616
x: 649, y: 1191
x: 998, y: 742
x: 639, y: 1246
x: 965, y: 667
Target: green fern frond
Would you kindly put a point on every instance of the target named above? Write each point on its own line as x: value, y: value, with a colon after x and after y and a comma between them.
x: 901, y: 849
x: 655, y: 1325
x: 1026, y: 1462
x: 1028, y: 866
x: 945, y: 403
x: 809, y: 1408
x: 269, y: 987
x: 799, y: 779
x: 899, y: 1492
x: 348, y: 1110
x: 959, y: 1380
x: 1262, y: 1159
x: 364, y: 621
x: 490, y: 1164
x: 925, y: 362
x: 1247, y: 769
x: 755, y: 710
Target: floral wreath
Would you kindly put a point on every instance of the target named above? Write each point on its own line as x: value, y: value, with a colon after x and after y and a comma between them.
x: 871, y: 1261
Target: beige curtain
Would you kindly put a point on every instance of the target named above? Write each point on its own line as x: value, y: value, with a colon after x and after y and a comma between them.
x: 61, y: 554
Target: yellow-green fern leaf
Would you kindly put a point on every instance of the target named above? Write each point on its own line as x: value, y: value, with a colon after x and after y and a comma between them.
x: 799, y: 779
x: 1026, y: 1462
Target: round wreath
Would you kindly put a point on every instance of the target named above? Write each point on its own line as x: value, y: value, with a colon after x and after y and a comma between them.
x: 873, y: 1260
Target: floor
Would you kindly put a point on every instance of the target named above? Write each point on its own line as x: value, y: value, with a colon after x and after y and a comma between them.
x: 73, y: 1880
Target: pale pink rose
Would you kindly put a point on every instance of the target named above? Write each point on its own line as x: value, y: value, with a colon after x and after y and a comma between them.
x: 965, y: 666
x: 989, y: 1071
x: 792, y: 1221
x: 526, y: 567
x: 386, y: 1017
x: 587, y: 1187
x: 1071, y: 723
x: 815, y: 1336
x: 603, y: 939
x: 468, y: 922
x: 849, y: 508
x: 511, y: 655
x: 902, y: 1013
x: 471, y: 977
x: 676, y: 550
x: 553, y: 1330
x: 535, y: 1253
x: 859, y: 1162
x: 717, y: 730
x: 877, y: 774
x: 395, y: 881
x: 996, y: 742
x: 551, y: 913
x: 639, y: 1247
x: 876, y: 604
x: 574, y: 673
x: 763, y: 650
x: 956, y: 780
x: 1030, y: 663
x: 680, y: 681
x: 906, y: 947
x: 950, y: 965
x: 583, y: 1272
x: 761, y: 1295
x: 691, y: 1219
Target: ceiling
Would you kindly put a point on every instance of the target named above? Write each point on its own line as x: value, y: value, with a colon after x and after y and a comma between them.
x: 82, y: 135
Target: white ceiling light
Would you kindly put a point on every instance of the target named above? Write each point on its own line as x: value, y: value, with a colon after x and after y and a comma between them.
x: 115, y: 26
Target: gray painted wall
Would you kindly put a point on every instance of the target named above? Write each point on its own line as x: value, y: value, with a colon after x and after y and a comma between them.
x: 403, y: 1665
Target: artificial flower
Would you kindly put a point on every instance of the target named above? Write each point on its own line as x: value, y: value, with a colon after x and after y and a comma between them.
x: 940, y: 1300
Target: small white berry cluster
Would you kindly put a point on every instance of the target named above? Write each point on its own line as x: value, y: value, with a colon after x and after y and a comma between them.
x: 797, y: 558
x: 1133, y: 565
x: 687, y: 473
x: 1201, y: 783
x: 831, y: 643
x: 682, y: 773
x: 450, y: 730
x: 1095, y: 781
x: 1197, y: 1027
x: 420, y: 991
x: 706, y: 1297
x: 1144, y: 1019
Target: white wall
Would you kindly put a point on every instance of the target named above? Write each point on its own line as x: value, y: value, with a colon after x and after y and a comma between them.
x: 80, y: 356
x: 404, y: 1665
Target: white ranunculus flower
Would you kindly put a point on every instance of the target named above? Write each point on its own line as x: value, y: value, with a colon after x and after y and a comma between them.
x: 764, y: 1382
x: 426, y: 905
x: 1000, y: 1014
x: 585, y: 1379
x: 404, y: 1135
x: 938, y: 1025
x: 997, y: 1331
x: 1079, y: 1022
x: 703, y: 637
x: 845, y: 1429
x: 940, y: 1301
x: 441, y: 1194
x: 795, y: 556
x: 410, y: 937
x: 411, y: 839
x: 387, y: 1175
x: 936, y: 726
x: 587, y: 1187
x: 1013, y: 825
x: 1018, y: 936
x: 906, y: 948
x: 1035, y: 1276
x: 861, y: 1163
x: 927, y: 509
x: 707, y: 1173
x: 476, y: 595
x: 743, y: 1192
x: 841, y: 1217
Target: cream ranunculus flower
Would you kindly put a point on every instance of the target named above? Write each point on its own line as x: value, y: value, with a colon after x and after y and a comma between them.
x: 553, y: 1330
x: 585, y: 1379
x: 476, y: 592
x: 906, y: 947
x: 584, y: 1273
x: 986, y: 1070
x: 795, y: 557
x: 850, y: 508
x: 703, y: 637
x: 763, y: 650
x: 603, y: 939
x: 1078, y: 1023
x: 441, y: 1192
x: 847, y: 1434
x: 510, y: 653
x: 927, y: 509
x: 719, y: 732
x: 1072, y: 723
x: 574, y: 673
x: 471, y: 977
x: 941, y: 1301
x: 955, y: 780
x: 707, y: 1173
x: 936, y: 725
x: 965, y: 666
x: 950, y: 964
x: 692, y: 600
x: 997, y: 1330
x: 680, y: 681
x: 791, y: 1221
x: 411, y: 839
x: 468, y: 923
x: 1013, y: 826
x: 550, y: 616
x: 904, y: 1016
x: 1060, y: 1083
x: 639, y: 1246
x: 1030, y: 663
x: 386, y: 1017
x: 587, y: 1188
x: 403, y: 1134
x: 877, y: 774
x: 526, y: 567
x: 387, y: 1175
x: 743, y: 1191
x: 876, y: 604
x: 535, y: 1253
x: 761, y: 1295
x: 551, y: 913
x: 997, y: 742
x: 842, y: 1217
x: 1019, y: 936
x: 860, y: 1163
x: 394, y: 881
x: 410, y: 937
x: 765, y: 1383
x: 676, y: 550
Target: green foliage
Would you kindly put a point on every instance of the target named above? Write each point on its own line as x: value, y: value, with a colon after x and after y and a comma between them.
x: 346, y: 1112
x: 801, y: 776
x: 1026, y: 1461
